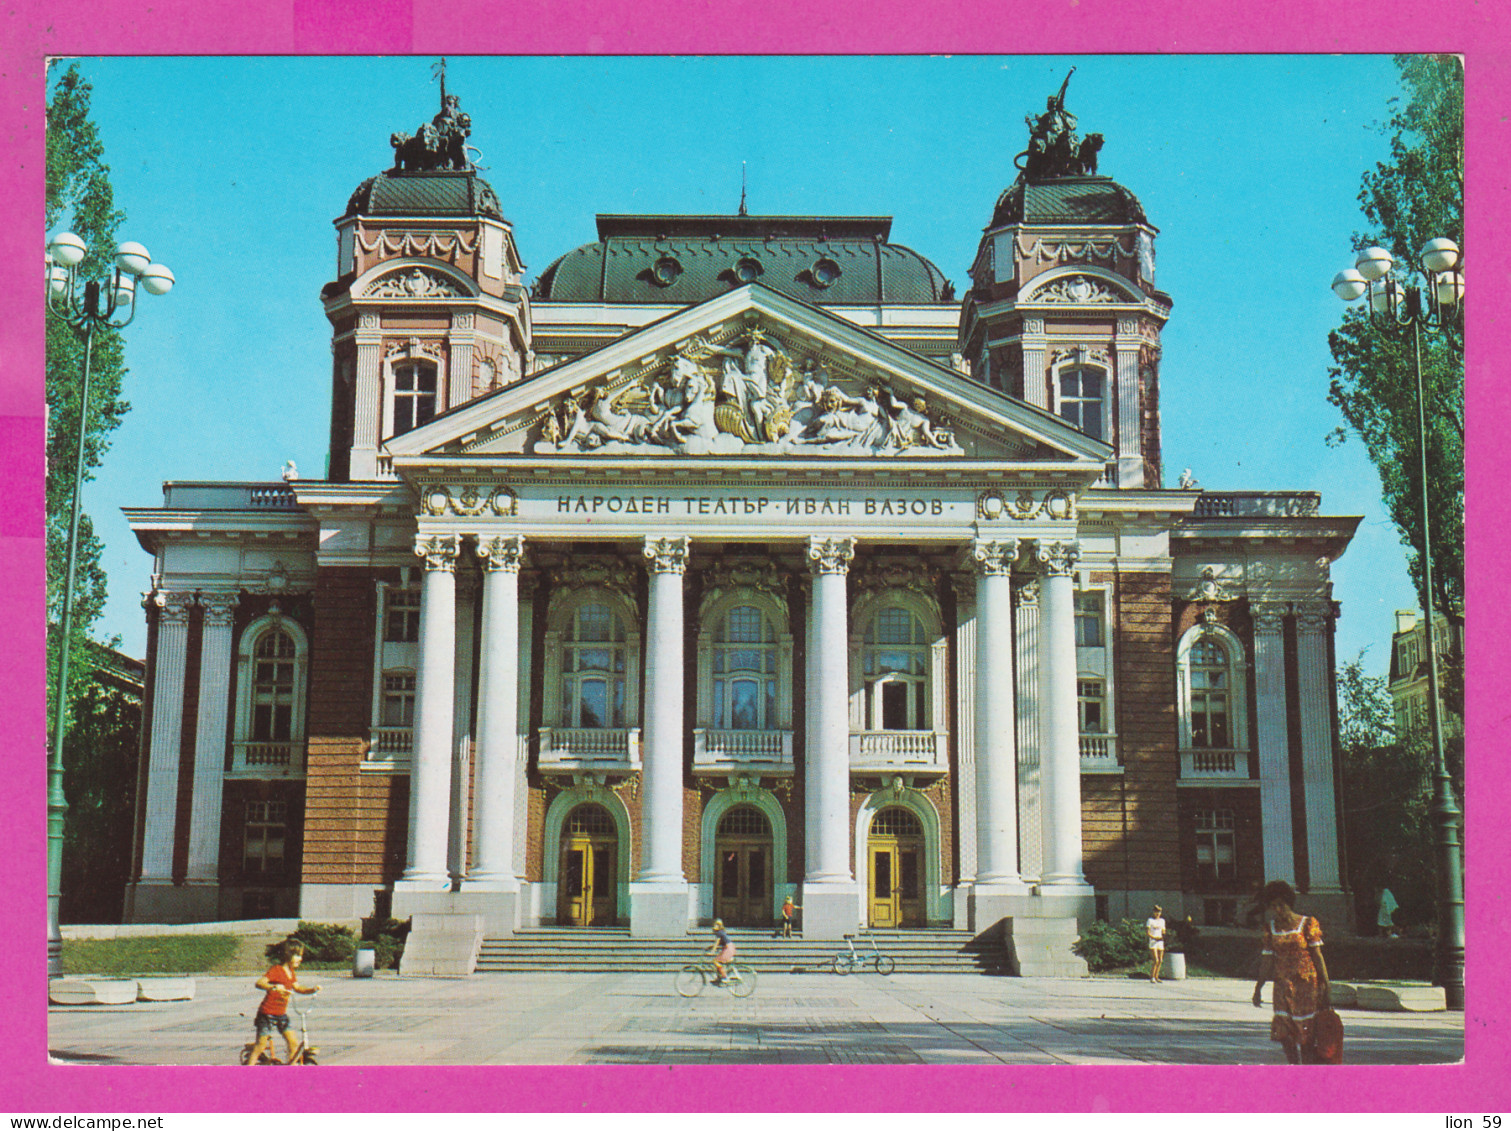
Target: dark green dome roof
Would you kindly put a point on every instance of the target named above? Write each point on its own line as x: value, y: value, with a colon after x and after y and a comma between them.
x: 1067, y: 200
x: 681, y: 260
x: 434, y: 192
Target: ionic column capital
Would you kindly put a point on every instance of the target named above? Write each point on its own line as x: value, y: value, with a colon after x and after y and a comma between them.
x: 1268, y: 616
x: 667, y: 555
x: 830, y: 555
x: 220, y: 608
x: 1313, y: 617
x: 440, y: 551
x: 1058, y: 559
x: 172, y: 607
x: 994, y: 557
x: 503, y: 552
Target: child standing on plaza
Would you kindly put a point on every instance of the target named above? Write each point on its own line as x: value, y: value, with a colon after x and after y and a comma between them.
x: 788, y: 907
x: 279, y: 985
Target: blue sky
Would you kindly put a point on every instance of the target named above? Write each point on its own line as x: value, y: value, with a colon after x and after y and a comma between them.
x: 230, y: 170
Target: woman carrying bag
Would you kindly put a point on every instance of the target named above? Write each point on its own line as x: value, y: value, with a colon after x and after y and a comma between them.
x: 1292, y: 959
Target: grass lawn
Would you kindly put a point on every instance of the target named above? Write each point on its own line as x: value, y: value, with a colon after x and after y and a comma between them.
x: 147, y: 954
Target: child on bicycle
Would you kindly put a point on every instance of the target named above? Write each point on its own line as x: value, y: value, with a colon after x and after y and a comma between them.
x: 279, y: 984
x: 723, y: 951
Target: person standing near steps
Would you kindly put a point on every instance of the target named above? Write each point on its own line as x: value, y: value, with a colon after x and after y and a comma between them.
x: 1154, y: 928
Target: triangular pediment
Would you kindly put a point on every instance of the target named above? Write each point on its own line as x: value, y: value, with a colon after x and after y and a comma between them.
x: 752, y: 374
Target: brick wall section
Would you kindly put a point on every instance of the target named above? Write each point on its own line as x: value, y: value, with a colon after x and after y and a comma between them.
x: 1247, y: 839
x: 1130, y: 827
x: 355, y: 825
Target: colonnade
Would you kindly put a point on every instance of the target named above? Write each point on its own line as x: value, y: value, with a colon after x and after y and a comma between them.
x: 659, y: 888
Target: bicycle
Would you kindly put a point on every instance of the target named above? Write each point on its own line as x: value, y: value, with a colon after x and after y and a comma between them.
x: 738, y: 980
x: 844, y: 963
x: 304, y: 1052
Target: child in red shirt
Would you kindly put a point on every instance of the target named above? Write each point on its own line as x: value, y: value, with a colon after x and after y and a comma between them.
x: 280, y: 984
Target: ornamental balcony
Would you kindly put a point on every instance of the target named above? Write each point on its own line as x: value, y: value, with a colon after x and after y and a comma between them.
x: 578, y: 750
x: 1206, y: 763
x: 283, y: 759
x: 1099, y: 754
x: 390, y: 746
x: 735, y: 752
x: 899, y: 752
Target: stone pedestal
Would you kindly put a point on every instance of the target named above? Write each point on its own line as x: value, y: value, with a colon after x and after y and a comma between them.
x: 830, y: 911
x: 442, y: 944
x: 659, y: 911
x: 498, y: 906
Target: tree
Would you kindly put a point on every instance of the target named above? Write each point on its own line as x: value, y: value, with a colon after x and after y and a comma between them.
x: 80, y: 199
x: 1416, y: 195
x: 1387, y: 792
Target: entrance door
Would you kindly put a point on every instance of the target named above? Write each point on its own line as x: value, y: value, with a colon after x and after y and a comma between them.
x: 588, y: 887
x: 894, y: 873
x: 742, y: 868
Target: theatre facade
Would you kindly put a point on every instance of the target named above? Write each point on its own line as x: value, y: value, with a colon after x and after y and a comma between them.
x: 735, y: 559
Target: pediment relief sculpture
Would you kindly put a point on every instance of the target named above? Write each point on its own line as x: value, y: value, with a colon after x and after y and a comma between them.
x: 712, y: 399
x: 1077, y: 288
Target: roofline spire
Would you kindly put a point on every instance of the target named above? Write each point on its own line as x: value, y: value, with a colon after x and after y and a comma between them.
x: 742, y: 190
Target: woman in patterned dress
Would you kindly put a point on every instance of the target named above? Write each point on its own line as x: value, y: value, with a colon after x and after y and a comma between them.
x: 1292, y: 958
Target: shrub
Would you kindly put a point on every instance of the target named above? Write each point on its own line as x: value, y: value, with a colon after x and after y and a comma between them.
x: 1111, y: 946
x: 387, y: 937
x: 323, y: 942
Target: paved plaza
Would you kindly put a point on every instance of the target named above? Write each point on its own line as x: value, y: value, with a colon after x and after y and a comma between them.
x: 808, y: 1018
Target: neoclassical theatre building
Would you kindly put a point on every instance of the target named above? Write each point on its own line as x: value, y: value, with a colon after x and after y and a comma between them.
x: 738, y: 558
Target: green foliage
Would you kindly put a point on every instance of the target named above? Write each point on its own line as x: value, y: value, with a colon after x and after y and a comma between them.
x: 1387, y: 797
x: 147, y: 954
x: 99, y: 780
x: 1416, y: 195
x: 323, y: 942
x: 80, y: 199
x: 387, y: 937
x: 1113, y: 946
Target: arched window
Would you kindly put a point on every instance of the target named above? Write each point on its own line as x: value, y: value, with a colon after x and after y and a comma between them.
x: 593, y: 669
x: 744, y: 670
x: 1211, y: 672
x: 1080, y: 398
x: 414, y: 394
x: 273, y: 687
x: 895, y: 668
x: 1211, y: 695
x: 271, y: 683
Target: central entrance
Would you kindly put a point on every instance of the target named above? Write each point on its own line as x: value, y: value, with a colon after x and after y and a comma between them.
x: 588, y: 894
x: 894, y: 873
x: 742, y: 868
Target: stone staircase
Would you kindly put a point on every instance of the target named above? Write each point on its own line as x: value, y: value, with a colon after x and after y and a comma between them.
x: 564, y: 949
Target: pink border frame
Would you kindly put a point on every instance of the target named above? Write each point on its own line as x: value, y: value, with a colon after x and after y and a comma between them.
x: 34, y: 28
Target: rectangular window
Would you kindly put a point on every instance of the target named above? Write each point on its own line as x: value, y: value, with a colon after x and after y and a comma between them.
x: 1090, y: 693
x: 401, y: 619
x: 266, y: 827
x: 1216, y: 853
x: 1081, y: 400
x: 398, y: 701
x: 1089, y: 621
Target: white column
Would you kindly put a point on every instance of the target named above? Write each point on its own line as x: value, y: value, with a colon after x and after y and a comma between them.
x: 459, y: 365
x: 1035, y: 350
x: 1273, y: 742
x: 1059, y: 722
x: 1030, y: 801
x: 430, y: 771
x: 368, y: 399
x: 827, y: 780
x: 210, y: 736
x: 965, y: 713
x: 498, y: 724
x: 661, y: 780
x: 1313, y: 671
x: 167, y: 731
x: 996, y: 753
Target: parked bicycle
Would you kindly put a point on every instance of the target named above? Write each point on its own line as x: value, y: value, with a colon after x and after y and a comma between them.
x: 738, y: 980
x: 854, y: 960
x: 304, y: 1052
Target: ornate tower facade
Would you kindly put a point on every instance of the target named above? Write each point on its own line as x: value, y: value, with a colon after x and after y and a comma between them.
x: 428, y: 310
x: 1063, y: 311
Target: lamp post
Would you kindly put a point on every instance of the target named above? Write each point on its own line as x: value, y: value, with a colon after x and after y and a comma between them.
x: 86, y: 305
x: 1431, y: 307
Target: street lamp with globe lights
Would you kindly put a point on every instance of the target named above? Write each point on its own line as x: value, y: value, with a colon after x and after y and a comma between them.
x: 1434, y: 307
x: 87, y: 305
